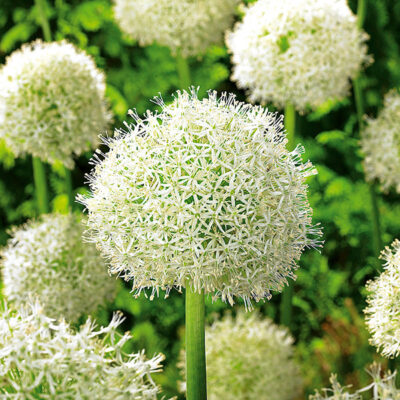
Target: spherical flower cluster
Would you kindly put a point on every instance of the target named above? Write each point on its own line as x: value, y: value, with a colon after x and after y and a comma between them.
x: 380, y: 142
x: 249, y: 357
x: 383, y: 387
x: 206, y: 194
x: 185, y: 26
x: 52, y: 102
x: 44, y: 359
x: 302, y: 52
x: 383, y: 311
x: 47, y: 259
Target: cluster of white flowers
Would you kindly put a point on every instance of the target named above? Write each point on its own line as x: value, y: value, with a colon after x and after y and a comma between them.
x: 185, y: 26
x: 204, y: 192
x: 249, y: 357
x: 383, y: 311
x: 380, y: 142
x: 52, y: 102
x: 41, y: 358
x: 48, y: 260
x: 383, y: 387
x: 302, y: 52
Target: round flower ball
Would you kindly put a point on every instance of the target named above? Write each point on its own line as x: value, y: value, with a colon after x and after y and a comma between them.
x: 52, y: 102
x: 302, y: 52
x: 203, y: 194
x: 48, y: 260
x: 380, y: 142
x: 45, y: 359
x: 383, y: 311
x: 187, y: 27
x: 249, y: 357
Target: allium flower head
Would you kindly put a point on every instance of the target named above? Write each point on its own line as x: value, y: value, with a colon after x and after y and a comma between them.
x: 52, y: 102
x: 383, y: 387
x: 185, y: 26
x: 204, y: 192
x: 302, y: 52
x: 249, y: 357
x: 383, y: 311
x: 380, y: 142
x: 44, y: 359
x: 47, y: 259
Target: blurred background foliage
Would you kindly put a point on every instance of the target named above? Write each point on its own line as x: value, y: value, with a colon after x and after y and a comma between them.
x: 329, y: 292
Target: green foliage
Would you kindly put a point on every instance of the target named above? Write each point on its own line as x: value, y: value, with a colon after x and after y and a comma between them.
x: 329, y: 328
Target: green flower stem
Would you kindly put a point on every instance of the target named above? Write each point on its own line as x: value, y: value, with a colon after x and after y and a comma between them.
x: 358, y: 97
x: 69, y: 188
x: 183, y: 72
x: 361, y: 11
x: 287, y: 294
x: 195, y: 346
x: 41, y: 7
x: 39, y: 177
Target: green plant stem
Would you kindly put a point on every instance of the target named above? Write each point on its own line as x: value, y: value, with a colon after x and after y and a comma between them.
x: 69, y: 188
x: 195, y: 346
x: 361, y: 12
x: 376, y: 224
x: 183, y: 71
x: 359, y: 100
x: 287, y: 294
x: 44, y: 22
x: 290, y: 125
x: 39, y: 178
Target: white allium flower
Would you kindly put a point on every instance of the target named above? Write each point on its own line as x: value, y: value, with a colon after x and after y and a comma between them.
x: 44, y: 359
x: 302, y: 52
x: 52, y: 102
x: 380, y: 142
x: 383, y: 312
x: 249, y: 357
x: 204, y: 193
x: 383, y: 387
x: 185, y: 26
x: 48, y: 260
x: 336, y: 392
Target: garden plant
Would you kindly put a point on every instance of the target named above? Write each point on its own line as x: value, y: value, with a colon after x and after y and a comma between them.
x: 199, y: 199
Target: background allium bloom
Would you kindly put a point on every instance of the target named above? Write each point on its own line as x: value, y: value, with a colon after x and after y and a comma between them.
x: 48, y: 260
x: 205, y: 191
x: 302, y: 52
x: 383, y: 387
x: 250, y: 357
x: 187, y: 26
x: 52, y: 102
x: 383, y: 311
x: 49, y: 360
x: 380, y: 143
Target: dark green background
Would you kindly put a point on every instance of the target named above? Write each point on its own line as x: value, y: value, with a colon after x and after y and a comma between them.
x: 329, y: 292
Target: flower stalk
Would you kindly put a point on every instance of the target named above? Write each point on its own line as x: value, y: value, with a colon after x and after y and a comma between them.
x: 195, y: 345
x: 41, y: 6
x: 182, y: 66
x: 287, y: 294
x: 41, y: 192
x: 358, y: 97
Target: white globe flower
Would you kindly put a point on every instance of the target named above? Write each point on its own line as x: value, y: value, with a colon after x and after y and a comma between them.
x: 52, y: 102
x: 383, y: 312
x: 382, y: 387
x: 302, y: 52
x: 249, y: 357
x: 44, y: 359
x: 206, y: 194
x: 185, y: 26
x: 380, y: 142
x: 48, y: 260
